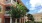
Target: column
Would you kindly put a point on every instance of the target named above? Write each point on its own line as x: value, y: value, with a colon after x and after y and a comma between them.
x: 24, y: 19
x: 15, y: 20
x: 20, y: 20
x: 10, y: 20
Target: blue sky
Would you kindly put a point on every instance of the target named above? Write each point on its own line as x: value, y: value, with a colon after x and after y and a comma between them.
x: 35, y: 6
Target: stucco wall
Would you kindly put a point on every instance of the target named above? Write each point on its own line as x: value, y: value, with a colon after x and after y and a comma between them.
x: 2, y: 13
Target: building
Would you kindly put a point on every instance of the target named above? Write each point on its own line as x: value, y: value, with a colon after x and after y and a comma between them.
x: 37, y: 17
x: 4, y: 9
x: 19, y: 2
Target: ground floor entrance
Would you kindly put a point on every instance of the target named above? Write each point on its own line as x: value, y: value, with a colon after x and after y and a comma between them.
x: 20, y: 20
x: 7, y: 20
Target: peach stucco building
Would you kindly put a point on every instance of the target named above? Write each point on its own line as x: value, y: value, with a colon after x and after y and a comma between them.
x: 4, y: 18
x: 4, y: 9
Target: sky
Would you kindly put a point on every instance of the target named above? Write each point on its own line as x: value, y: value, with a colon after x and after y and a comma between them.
x: 35, y: 6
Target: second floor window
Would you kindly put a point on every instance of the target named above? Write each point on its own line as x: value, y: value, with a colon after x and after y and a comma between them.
x: 0, y: 8
x: 7, y: 9
x: 15, y: 0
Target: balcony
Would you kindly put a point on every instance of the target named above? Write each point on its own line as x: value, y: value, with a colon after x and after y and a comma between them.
x: 7, y: 1
x: 10, y: 2
x: 7, y: 13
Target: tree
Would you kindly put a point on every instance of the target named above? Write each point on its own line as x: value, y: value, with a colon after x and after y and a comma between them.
x: 22, y: 8
x: 19, y: 11
x: 30, y: 17
x: 15, y: 13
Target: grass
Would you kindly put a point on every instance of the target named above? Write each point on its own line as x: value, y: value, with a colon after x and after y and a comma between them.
x: 33, y: 22
x: 38, y: 22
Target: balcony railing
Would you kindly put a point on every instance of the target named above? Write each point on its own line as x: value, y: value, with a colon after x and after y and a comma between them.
x: 7, y: 13
x: 10, y: 2
x: 7, y: 1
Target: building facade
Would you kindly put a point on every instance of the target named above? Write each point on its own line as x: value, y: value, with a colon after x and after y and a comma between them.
x: 4, y: 9
x: 37, y: 17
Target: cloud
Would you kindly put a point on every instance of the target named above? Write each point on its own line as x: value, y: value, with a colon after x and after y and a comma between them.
x: 39, y: 10
x: 32, y: 8
x: 34, y: 3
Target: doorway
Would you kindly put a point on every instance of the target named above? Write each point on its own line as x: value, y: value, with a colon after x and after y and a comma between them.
x: 7, y: 20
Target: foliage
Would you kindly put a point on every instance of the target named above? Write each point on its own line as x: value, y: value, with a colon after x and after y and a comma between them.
x: 15, y: 12
x: 29, y: 22
x: 30, y: 17
x: 22, y: 8
x: 37, y: 22
x: 18, y: 12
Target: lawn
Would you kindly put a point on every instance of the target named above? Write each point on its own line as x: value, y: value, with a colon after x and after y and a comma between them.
x: 38, y: 22
x: 33, y: 22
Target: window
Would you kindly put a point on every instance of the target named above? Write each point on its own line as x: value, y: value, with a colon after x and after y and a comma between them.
x: 6, y: 0
x: 7, y: 9
x: 13, y: 20
x: 7, y: 20
x: 17, y: 20
x: 14, y: 0
x: 0, y: 8
x: 0, y: 20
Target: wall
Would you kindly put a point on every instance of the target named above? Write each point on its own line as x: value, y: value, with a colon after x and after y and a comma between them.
x: 2, y: 13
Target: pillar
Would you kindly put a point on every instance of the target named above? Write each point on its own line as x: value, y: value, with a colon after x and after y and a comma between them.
x: 20, y: 20
x: 10, y: 19
x: 15, y: 20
